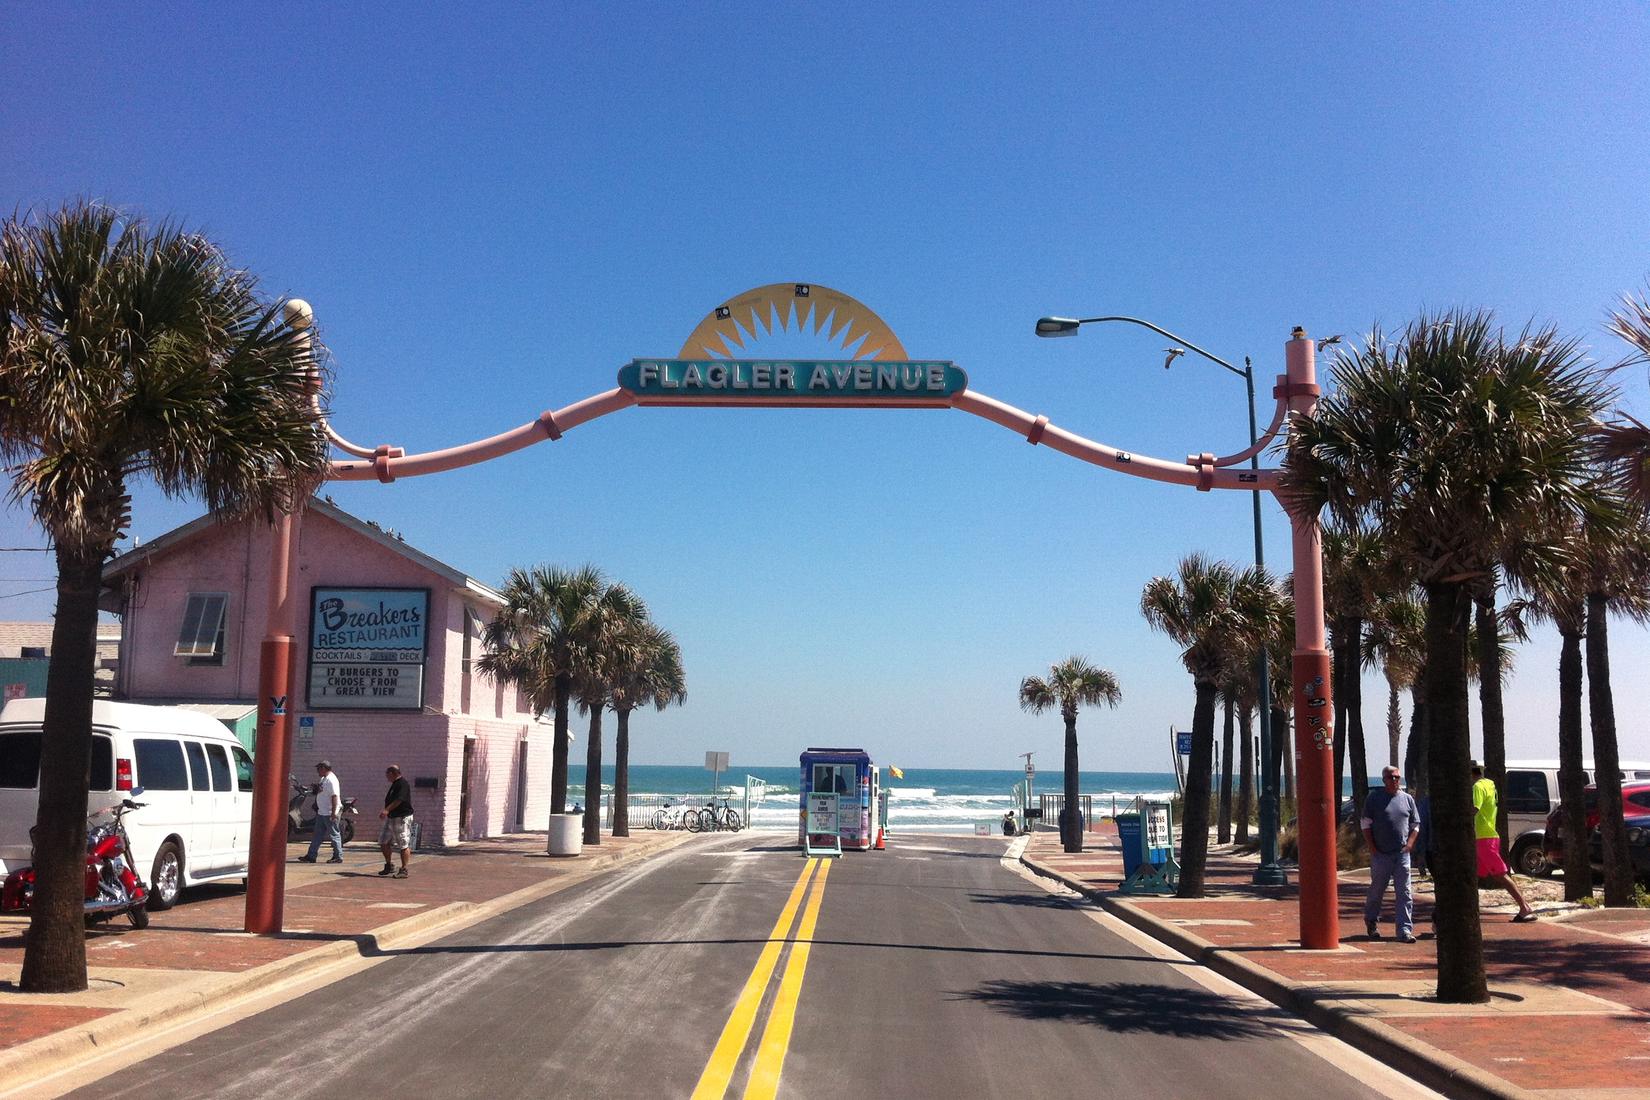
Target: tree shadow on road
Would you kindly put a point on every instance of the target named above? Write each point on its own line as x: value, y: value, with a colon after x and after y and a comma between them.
x: 1040, y: 900
x: 1128, y: 1007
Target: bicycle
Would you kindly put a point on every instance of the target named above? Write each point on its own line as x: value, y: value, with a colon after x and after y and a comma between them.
x: 671, y: 817
x: 714, y: 818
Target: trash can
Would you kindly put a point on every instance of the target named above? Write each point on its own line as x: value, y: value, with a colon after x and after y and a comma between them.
x: 1128, y: 833
x: 566, y: 835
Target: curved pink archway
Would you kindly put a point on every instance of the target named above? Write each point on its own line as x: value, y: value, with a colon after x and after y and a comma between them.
x: 1296, y: 392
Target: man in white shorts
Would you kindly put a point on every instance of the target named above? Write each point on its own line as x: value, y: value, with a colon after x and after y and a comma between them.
x: 396, y: 835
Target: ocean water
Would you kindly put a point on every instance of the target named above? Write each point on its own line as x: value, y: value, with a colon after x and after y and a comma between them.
x: 926, y: 800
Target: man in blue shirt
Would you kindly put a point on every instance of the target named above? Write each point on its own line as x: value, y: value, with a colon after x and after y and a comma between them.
x: 1392, y: 823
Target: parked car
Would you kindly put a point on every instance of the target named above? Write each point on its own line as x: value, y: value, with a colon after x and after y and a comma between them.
x: 197, y: 821
x: 1638, y: 844
x: 1530, y: 796
x: 1635, y: 800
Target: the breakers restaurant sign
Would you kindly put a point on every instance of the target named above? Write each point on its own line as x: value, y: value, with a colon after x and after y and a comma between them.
x: 367, y: 647
x: 793, y: 381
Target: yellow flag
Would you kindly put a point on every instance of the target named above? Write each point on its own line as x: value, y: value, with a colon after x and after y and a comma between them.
x: 895, y: 772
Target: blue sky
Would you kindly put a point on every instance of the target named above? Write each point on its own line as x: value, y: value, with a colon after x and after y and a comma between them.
x: 492, y: 210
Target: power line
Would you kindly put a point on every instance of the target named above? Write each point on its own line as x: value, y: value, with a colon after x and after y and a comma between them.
x: 25, y: 549
x: 30, y: 592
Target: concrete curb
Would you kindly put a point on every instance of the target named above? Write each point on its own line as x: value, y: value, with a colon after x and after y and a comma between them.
x: 1425, y: 1063
x: 28, y: 1062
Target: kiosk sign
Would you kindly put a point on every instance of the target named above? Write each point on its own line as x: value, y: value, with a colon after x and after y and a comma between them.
x: 822, y: 814
x: 367, y: 647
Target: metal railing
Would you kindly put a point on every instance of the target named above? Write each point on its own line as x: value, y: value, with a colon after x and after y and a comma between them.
x: 1052, y: 804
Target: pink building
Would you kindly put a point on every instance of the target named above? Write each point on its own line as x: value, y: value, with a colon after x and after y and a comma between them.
x: 386, y: 664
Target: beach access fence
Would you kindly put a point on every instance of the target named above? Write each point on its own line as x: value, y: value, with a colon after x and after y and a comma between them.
x: 644, y: 806
x: 1053, y: 804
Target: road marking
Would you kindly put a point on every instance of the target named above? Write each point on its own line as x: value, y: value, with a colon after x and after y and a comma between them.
x: 718, y: 1072
x: 776, y: 1037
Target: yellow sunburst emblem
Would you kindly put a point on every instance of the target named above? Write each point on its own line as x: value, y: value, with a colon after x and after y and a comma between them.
x: 754, y: 312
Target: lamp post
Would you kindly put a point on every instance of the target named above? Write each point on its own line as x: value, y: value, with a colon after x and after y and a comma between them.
x: 1270, y: 872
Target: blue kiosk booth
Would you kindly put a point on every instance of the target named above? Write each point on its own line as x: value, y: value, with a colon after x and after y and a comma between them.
x: 841, y: 807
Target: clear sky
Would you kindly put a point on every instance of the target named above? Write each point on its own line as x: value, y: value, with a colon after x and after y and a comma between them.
x: 493, y: 208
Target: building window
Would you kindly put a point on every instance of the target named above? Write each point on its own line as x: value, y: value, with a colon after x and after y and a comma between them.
x: 201, y: 638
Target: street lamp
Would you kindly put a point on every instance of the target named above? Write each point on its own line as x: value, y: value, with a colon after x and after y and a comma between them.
x: 1269, y: 873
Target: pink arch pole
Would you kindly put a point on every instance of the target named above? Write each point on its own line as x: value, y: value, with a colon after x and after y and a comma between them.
x: 1296, y: 393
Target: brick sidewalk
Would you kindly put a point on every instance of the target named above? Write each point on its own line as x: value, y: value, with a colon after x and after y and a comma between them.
x: 195, y: 953
x: 1570, y: 994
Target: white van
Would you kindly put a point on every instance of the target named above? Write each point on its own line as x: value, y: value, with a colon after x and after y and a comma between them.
x: 196, y: 821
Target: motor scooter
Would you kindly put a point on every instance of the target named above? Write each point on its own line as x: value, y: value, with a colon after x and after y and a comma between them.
x: 112, y: 886
x: 300, y: 812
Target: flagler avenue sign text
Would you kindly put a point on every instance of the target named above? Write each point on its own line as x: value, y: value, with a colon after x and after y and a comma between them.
x: 867, y: 381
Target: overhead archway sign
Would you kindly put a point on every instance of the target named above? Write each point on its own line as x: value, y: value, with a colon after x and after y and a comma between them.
x: 797, y: 382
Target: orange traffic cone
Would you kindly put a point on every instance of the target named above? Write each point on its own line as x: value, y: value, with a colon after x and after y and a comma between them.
x: 880, y: 845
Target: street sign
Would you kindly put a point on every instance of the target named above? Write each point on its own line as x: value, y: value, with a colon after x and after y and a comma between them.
x: 1183, y: 744
x: 716, y: 761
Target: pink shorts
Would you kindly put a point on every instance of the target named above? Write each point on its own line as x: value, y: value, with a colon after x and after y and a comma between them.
x: 1490, y: 862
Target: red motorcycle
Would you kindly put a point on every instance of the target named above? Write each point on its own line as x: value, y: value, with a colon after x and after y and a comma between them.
x: 112, y: 886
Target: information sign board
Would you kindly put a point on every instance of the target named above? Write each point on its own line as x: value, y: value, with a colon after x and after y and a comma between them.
x: 822, y: 814
x: 1183, y: 744
x: 367, y: 648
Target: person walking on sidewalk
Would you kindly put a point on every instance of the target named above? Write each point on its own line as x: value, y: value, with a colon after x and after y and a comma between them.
x: 1490, y: 864
x: 327, y: 807
x: 397, y: 814
x: 1391, y: 823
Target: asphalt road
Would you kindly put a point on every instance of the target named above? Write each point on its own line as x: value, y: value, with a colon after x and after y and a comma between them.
x: 928, y: 970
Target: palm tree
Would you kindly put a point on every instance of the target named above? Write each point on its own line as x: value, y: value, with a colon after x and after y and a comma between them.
x: 1228, y: 706
x: 1453, y: 442
x: 130, y: 351
x: 1395, y: 639
x: 538, y: 642
x: 618, y: 615
x: 1355, y: 568
x: 1213, y: 612
x: 650, y: 672
x: 1071, y: 684
x: 1560, y: 600
x: 1616, y: 571
x: 1238, y: 696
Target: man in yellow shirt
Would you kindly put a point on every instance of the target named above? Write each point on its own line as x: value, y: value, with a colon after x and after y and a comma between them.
x: 1490, y: 863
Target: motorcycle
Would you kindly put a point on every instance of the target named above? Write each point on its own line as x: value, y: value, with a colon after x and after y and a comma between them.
x: 300, y: 812
x: 112, y: 886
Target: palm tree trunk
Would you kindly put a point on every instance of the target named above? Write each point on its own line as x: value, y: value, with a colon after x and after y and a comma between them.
x: 1194, y: 831
x: 593, y: 779
x: 1454, y: 858
x: 1283, y: 761
x: 1288, y: 748
x: 1071, y: 821
x: 1353, y: 691
x: 1601, y: 706
x: 1246, y: 775
x: 1415, y: 753
x: 54, y: 953
x: 1224, y: 827
x: 558, y: 747
x: 621, y: 774
x: 1572, y: 781
x: 1394, y: 723
x: 1492, y: 716
x: 1338, y: 678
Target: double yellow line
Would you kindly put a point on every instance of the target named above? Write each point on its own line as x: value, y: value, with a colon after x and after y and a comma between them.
x: 776, y: 1036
